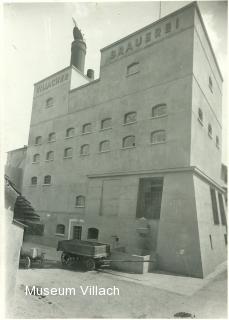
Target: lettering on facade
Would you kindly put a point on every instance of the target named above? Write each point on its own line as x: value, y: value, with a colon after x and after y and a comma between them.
x: 144, y: 39
x: 47, y: 84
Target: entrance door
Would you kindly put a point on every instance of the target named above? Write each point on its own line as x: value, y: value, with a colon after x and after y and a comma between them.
x: 76, y: 232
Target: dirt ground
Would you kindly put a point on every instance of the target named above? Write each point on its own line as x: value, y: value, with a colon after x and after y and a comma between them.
x: 136, y: 299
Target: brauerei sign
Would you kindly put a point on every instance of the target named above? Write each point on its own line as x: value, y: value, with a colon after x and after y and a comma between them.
x: 142, y: 39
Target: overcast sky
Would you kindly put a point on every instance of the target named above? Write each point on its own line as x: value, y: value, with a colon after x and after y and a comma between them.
x: 38, y: 40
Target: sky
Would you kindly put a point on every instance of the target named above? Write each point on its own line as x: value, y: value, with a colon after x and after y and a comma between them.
x: 37, y: 43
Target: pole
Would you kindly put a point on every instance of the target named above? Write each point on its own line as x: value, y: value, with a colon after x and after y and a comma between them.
x: 159, y: 9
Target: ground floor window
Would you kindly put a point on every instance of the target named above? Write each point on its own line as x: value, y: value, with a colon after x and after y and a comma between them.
x: 149, y: 198
x: 60, y: 229
x: 77, y: 232
x: 93, y: 233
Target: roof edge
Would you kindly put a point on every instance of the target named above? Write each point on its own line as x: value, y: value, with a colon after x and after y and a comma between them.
x: 208, y: 40
x: 69, y: 67
x: 192, y: 4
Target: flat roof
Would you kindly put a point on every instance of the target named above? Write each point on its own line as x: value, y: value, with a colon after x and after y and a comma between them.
x: 192, y: 4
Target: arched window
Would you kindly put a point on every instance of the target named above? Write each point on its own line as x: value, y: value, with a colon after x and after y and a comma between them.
x: 80, y: 201
x: 38, y: 140
x: 92, y: 234
x: 70, y: 132
x: 132, y: 68
x: 34, y: 181
x: 159, y: 110
x: 217, y: 141
x: 158, y: 136
x: 60, y: 229
x: 36, y: 158
x: 86, y: 128
x: 130, y: 117
x: 106, y: 123
x: 200, y: 115
x: 210, y: 130
x: 47, y: 179
x: 68, y: 153
x: 104, y: 146
x: 49, y: 102
x: 84, y: 150
x: 52, y: 137
x: 128, y: 142
x: 49, y: 155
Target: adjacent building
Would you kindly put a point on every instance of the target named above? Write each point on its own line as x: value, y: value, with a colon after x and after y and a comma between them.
x: 134, y: 158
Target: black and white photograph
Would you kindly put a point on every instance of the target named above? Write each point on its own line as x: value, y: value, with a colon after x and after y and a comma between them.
x: 114, y: 160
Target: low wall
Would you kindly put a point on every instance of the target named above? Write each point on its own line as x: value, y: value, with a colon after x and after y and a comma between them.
x: 129, y: 262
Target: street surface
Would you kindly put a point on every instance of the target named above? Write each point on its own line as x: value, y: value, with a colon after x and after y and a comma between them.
x: 152, y: 295
x: 136, y: 300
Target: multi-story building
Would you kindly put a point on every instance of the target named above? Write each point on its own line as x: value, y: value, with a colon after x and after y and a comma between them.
x: 134, y: 158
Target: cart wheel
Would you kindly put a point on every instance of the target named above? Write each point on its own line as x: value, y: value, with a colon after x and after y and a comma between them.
x: 90, y: 264
x: 27, y: 264
x: 65, y: 259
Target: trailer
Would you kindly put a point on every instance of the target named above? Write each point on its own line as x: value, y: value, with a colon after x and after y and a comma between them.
x: 29, y: 256
x: 92, y: 254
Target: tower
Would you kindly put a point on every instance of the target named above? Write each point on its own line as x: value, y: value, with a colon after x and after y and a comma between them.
x: 78, y: 49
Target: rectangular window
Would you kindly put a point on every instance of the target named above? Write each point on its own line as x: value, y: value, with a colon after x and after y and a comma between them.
x: 76, y: 232
x: 210, y: 238
x: 222, y: 210
x: 225, y: 239
x: 149, y: 198
x: 214, y: 206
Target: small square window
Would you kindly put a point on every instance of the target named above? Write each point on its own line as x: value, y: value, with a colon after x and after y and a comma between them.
x: 104, y: 146
x: 133, y: 68
x: 106, y: 123
x: 128, y: 142
x: 68, y: 153
x: 84, y: 150
x: 52, y: 137
x: 38, y: 140
x: 130, y: 117
x: 49, y: 102
x: 70, y: 132
x: 86, y: 128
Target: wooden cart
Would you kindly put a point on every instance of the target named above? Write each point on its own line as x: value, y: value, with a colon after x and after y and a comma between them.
x: 91, y: 253
x: 30, y: 256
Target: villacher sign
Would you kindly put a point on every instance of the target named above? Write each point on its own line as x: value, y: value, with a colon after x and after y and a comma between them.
x: 50, y: 83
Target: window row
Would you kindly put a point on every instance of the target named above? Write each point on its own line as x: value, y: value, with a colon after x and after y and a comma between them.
x: 47, y: 180
x: 158, y: 136
x: 130, y: 117
x: 92, y: 233
x: 210, y: 131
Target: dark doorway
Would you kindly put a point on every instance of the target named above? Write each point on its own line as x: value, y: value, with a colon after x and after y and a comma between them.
x: 149, y: 198
x: 77, y: 232
x: 93, y: 234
